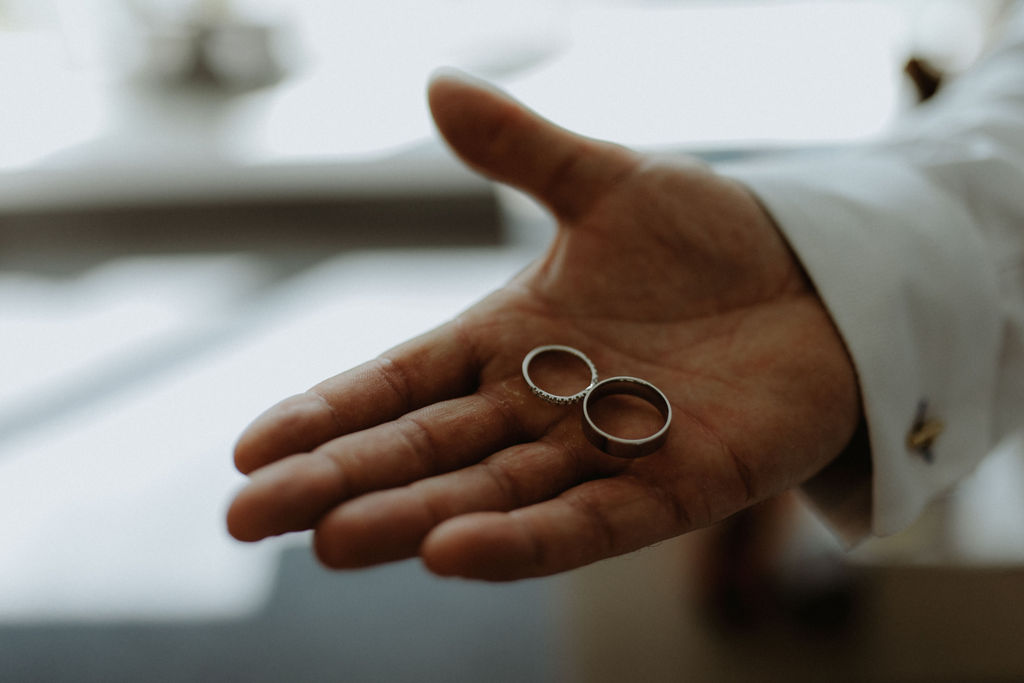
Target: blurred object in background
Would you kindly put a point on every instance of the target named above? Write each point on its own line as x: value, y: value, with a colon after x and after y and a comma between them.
x: 112, y: 103
x: 137, y: 101
x: 948, y: 36
x: 211, y: 42
x: 925, y: 76
x: 952, y: 34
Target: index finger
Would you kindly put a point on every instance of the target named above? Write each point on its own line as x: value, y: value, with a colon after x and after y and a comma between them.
x: 433, y: 367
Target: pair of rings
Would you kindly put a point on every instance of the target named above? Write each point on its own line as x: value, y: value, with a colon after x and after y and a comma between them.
x: 595, y: 390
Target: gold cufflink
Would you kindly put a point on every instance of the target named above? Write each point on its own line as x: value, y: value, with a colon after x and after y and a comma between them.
x: 924, y: 432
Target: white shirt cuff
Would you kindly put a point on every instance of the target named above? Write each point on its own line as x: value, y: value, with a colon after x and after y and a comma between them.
x: 910, y: 286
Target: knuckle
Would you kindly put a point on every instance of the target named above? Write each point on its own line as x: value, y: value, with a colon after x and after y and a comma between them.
x: 505, y: 483
x: 419, y: 443
x: 744, y: 476
x: 397, y: 378
x: 601, y: 531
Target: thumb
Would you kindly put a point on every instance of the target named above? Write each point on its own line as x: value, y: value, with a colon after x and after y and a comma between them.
x: 504, y: 141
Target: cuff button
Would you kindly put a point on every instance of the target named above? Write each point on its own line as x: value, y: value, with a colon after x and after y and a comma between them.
x: 924, y: 432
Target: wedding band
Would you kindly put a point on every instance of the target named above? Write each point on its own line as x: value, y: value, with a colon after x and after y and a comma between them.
x: 547, y: 395
x: 617, y: 446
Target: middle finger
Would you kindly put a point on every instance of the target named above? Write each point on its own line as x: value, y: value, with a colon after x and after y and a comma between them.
x: 293, y: 493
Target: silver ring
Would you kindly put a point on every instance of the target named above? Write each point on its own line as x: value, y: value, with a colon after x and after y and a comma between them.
x: 547, y: 395
x: 617, y: 446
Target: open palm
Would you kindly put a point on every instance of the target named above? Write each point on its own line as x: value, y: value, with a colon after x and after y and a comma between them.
x: 659, y: 269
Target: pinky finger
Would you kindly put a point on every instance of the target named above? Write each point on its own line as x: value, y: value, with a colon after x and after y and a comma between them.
x: 591, y: 522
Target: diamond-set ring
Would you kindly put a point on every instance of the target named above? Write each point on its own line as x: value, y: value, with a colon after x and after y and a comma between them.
x: 596, y: 390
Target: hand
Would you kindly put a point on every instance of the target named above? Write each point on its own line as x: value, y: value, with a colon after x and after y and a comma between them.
x: 659, y: 269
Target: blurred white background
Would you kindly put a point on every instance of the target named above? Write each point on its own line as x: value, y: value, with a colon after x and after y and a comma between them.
x: 131, y: 358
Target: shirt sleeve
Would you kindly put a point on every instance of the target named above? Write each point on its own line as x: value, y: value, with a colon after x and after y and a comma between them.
x: 914, y: 244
